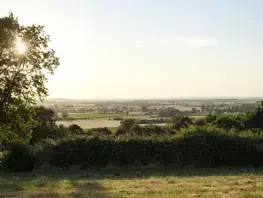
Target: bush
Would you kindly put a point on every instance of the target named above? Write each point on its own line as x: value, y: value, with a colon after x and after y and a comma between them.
x: 176, y: 119
x: 75, y: 129
x: 51, y: 131
x: 118, y: 118
x: 120, y: 131
x: 19, y: 157
x: 200, y: 122
x: 153, y: 130
x: 184, y: 122
x: 60, y: 132
x: 200, y: 146
x: 229, y: 121
x: 99, y: 131
x: 152, y: 121
x: 254, y: 120
x: 127, y: 124
x: 136, y: 129
x: 210, y: 118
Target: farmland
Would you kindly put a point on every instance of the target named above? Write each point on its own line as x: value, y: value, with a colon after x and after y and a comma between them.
x: 93, y: 115
x: 95, y: 123
x: 103, y: 122
x: 147, y: 182
x: 140, y: 137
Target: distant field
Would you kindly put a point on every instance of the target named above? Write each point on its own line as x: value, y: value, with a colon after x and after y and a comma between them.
x: 153, y: 183
x: 197, y: 117
x: 137, y: 115
x: 93, y: 115
x: 87, y: 124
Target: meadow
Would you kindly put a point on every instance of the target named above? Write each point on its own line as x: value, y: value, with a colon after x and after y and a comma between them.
x: 93, y: 115
x: 87, y: 124
x: 140, y: 182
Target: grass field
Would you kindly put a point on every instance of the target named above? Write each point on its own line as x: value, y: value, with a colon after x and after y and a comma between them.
x: 93, y: 115
x: 113, y: 129
x: 135, y: 183
x: 196, y: 117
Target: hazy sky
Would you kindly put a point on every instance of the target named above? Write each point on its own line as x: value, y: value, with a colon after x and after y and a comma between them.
x: 150, y: 48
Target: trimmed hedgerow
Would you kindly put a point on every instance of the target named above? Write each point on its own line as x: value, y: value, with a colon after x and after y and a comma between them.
x: 198, y: 146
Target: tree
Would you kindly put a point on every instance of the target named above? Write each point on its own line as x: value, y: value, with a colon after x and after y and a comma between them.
x: 137, y: 129
x: 145, y: 109
x: 184, y: 122
x: 125, y: 108
x: 203, y: 108
x: 176, y: 119
x: 75, y: 129
x: 25, y: 59
x: 131, y: 109
x: 105, y: 110
x: 46, y: 124
x: 45, y: 116
x: 128, y: 124
x: 64, y: 115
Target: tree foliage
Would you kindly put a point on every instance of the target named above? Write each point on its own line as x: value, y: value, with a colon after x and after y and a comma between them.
x: 64, y: 115
x: 127, y: 124
x: 46, y: 125
x: 23, y: 74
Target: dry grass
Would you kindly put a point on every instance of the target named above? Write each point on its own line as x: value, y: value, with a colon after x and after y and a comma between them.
x: 136, y: 183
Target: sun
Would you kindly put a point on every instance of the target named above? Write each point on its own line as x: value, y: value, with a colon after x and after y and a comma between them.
x: 21, y: 47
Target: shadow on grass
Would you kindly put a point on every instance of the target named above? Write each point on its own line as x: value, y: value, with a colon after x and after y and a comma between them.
x: 145, y: 172
x: 88, y: 183
x: 60, y: 184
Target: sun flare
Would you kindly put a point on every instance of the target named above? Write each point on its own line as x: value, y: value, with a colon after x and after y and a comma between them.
x: 20, y: 46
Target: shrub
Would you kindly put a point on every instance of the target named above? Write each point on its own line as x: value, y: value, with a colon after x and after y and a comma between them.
x: 184, y: 122
x: 127, y: 124
x: 228, y: 122
x: 60, y: 132
x: 19, y: 156
x: 153, y: 130
x: 75, y: 129
x: 101, y: 131
x: 200, y: 122
x: 41, y: 132
x: 176, y: 119
x: 51, y: 131
x: 152, y: 121
x: 200, y: 146
x: 120, y: 131
x: 118, y: 118
x: 136, y: 129
x: 210, y: 118
x: 254, y: 120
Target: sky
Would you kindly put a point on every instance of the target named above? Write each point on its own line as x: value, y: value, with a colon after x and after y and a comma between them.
x: 150, y: 48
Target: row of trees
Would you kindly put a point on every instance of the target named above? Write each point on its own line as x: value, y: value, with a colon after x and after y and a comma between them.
x: 224, y: 108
